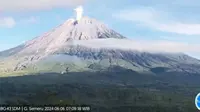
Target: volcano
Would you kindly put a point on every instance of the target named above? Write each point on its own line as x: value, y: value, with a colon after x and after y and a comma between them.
x: 86, y: 29
x: 79, y: 46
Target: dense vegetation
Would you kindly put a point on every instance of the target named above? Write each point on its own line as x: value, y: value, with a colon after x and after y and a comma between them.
x: 120, y: 91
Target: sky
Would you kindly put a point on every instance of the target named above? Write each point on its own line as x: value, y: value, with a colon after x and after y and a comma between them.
x: 164, y: 22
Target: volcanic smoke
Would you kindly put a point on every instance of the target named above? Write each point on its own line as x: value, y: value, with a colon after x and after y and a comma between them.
x: 79, y: 13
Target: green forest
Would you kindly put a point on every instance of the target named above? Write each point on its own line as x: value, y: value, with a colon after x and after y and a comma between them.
x: 124, y: 91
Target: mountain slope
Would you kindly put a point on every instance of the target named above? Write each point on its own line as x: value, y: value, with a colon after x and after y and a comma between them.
x: 132, y: 59
x: 89, y: 45
x: 86, y: 29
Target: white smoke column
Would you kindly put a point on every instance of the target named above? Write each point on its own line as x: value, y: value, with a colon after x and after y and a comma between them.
x: 79, y: 13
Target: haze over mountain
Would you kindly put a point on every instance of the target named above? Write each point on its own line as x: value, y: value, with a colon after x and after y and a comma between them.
x: 89, y: 45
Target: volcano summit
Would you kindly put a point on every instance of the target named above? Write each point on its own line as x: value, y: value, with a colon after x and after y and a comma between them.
x: 85, y: 29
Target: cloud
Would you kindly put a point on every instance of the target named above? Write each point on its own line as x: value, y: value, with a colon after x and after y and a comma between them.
x: 180, y: 28
x: 181, y: 38
x: 152, y: 18
x: 24, y: 5
x: 30, y: 20
x: 7, y: 22
x: 141, y: 45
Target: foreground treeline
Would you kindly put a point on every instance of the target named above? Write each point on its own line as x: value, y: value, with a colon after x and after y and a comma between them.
x: 103, y: 97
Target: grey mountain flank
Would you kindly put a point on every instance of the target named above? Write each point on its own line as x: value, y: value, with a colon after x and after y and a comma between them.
x: 89, y: 45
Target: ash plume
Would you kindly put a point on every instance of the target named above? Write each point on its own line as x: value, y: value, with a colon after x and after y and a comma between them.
x: 79, y: 13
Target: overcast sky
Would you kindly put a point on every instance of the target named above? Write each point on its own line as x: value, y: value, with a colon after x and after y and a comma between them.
x: 153, y: 21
